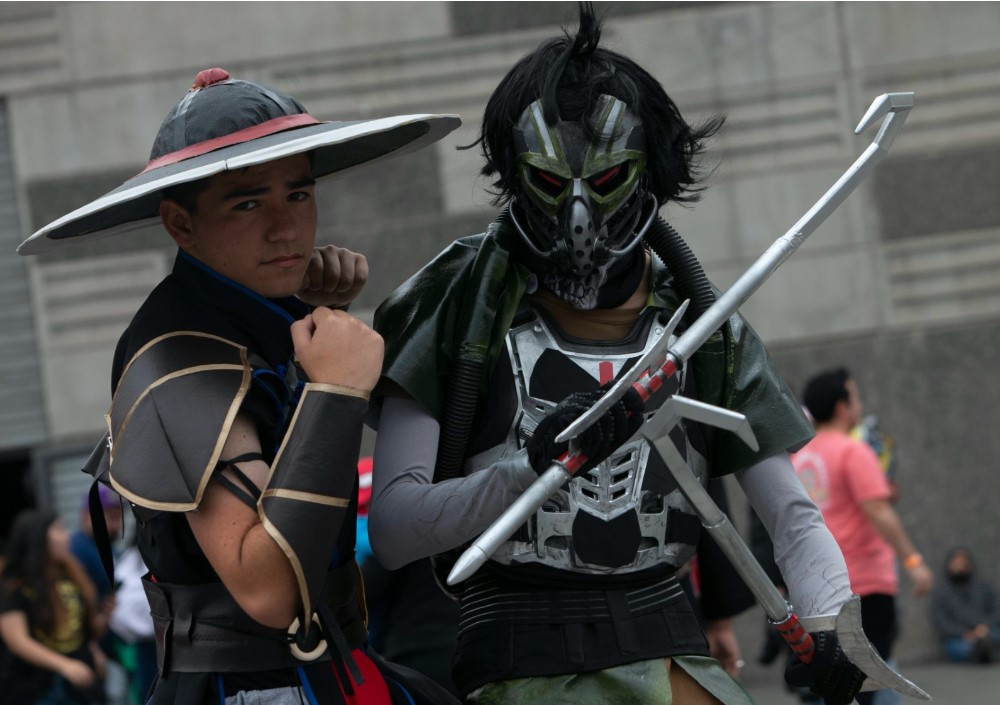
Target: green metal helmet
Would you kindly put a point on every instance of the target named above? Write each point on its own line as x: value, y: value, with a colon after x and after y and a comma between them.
x: 583, y: 200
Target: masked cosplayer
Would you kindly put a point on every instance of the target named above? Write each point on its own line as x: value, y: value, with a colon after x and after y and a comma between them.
x: 505, y: 337
x: 237, y: 406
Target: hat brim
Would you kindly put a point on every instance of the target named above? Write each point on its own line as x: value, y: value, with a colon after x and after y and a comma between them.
x: 337, y: 147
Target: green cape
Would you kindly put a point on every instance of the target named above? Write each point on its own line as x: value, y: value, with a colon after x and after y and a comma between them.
x: 462, y: 303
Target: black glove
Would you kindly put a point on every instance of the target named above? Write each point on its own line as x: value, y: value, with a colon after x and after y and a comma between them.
x: 604, y: 436
x: 830, y: 676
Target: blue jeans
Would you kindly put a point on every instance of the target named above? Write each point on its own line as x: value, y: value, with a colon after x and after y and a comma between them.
x: 957, y: 649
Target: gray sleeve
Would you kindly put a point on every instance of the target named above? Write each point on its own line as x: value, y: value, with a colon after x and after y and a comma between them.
x: 804, y: 549
x: 410, y: 516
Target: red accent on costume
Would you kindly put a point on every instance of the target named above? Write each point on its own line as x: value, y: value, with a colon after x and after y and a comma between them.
x: 364, y: 485
x: 695, y: 576
x: 606, y: 370
x: 606, y: 175
x: 285, y: 122
x: 797, y: 638
x: 550, y: 178
x: 573, y: 462
x: 208, y: 77
x: 373, y: 691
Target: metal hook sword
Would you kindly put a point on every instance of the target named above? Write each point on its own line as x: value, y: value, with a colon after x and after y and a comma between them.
x: 847, y: 624
x: 894, y: 108
x: 893, y: 105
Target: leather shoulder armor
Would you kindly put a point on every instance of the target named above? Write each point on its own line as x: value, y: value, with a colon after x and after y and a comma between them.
x: 171, y: 415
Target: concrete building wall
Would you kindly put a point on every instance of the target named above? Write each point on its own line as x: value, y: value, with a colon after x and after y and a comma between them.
x: 900, y: 282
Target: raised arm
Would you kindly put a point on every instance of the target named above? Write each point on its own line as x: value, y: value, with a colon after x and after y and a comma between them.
x: 270, y: 533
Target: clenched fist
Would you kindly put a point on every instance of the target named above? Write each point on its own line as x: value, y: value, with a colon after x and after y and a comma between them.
x: 334, y: 347
x: 335, y: 277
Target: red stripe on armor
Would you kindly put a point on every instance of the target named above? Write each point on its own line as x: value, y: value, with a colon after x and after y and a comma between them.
x: 606, y: 372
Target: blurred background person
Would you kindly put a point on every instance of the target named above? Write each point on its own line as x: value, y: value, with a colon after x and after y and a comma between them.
x: 870, y: 431
x: 844, y: 478
x: 83, y: 543
x: 47, y: 618
x: 132, y: 625
x: 965, y: 612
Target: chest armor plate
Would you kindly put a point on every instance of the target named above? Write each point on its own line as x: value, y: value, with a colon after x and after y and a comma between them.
x: 624, y: 515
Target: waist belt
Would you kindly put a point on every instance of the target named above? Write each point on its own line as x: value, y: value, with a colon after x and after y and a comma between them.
x: 484, y: 604
x: 200, y: 628
x: 514, y: 630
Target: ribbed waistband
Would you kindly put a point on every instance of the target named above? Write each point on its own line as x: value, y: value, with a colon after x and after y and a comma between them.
x: 487, y: 600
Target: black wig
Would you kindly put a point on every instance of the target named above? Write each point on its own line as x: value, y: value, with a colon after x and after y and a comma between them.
x: 569, y: 74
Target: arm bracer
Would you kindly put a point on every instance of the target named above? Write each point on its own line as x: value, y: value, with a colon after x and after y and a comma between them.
x: 307, y: 493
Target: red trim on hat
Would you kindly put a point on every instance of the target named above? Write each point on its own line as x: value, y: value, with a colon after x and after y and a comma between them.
x: 286, y: 122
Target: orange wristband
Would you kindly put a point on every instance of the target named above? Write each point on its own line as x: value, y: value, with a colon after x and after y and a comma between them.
x: 912, y: 561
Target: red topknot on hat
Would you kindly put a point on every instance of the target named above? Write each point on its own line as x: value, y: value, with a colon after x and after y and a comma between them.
x: 223, y: 124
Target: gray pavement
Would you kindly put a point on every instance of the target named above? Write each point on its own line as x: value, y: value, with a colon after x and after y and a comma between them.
x: 947, y: 683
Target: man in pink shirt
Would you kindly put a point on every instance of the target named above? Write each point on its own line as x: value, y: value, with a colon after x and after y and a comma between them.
x: 844, y: 478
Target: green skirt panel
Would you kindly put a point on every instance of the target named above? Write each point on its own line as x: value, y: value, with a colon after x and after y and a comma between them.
x: 639, y: 683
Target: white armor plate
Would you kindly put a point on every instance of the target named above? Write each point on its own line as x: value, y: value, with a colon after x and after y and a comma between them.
x: 609, y: 490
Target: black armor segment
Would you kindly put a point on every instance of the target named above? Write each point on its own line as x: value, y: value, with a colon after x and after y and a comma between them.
x: 161, y: 458
x: 510, y: 629
x: 308, y: 490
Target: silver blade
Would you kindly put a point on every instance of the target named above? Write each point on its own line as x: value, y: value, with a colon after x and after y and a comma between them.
x: 862, y: 654
x: 507, y: 523
x: 894, y: 109
x: 712, y: 415
x: 617, y: 391
x: 853, y: 641
x: 714, y: 520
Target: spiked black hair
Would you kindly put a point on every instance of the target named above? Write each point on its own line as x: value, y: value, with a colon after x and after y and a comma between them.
x: 569, y: 74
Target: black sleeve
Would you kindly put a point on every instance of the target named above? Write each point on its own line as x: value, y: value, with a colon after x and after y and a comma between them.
x: 13, y: 600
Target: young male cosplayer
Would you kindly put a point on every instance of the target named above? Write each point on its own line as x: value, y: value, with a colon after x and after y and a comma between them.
x: 237, y: 406
x: 504, y: 338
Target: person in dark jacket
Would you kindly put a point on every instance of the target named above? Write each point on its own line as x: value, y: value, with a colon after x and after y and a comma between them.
x: 966, y: 612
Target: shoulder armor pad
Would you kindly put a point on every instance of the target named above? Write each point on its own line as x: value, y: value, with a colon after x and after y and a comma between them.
x: 171, y: 415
